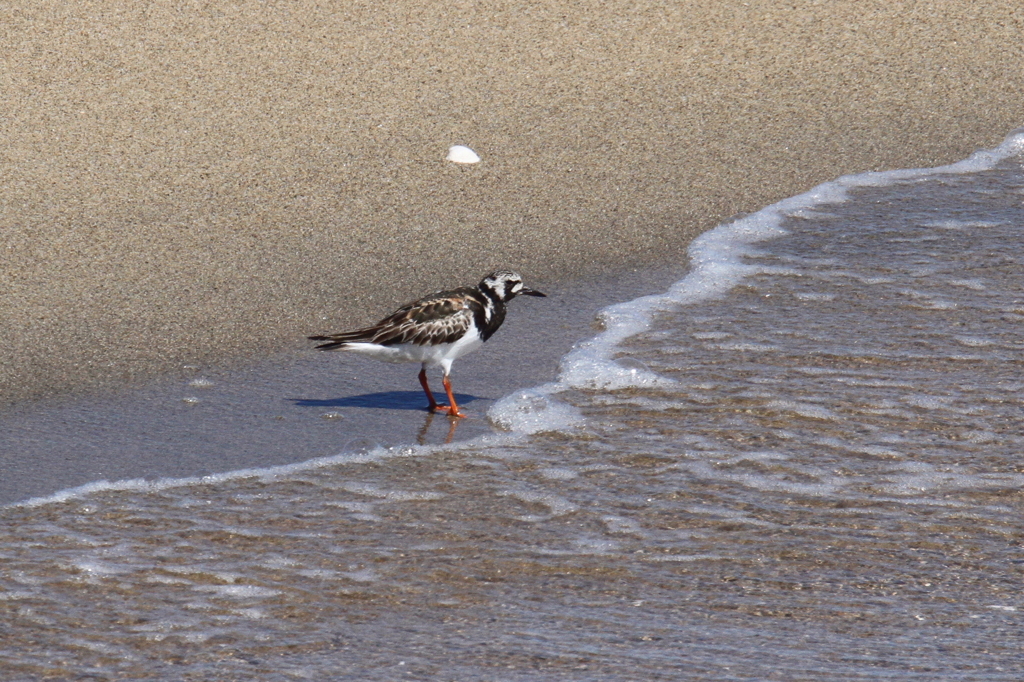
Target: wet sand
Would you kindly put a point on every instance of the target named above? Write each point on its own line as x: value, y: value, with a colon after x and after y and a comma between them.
x: 293, y: 405
x: 187, y: 186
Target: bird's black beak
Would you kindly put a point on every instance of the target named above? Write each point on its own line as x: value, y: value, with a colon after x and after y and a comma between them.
x: 531, y: 292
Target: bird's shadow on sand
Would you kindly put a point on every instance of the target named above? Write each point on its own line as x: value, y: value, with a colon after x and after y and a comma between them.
x: 384, y: 400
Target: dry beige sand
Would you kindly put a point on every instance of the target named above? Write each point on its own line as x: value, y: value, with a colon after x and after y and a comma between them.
x: 186, y: 182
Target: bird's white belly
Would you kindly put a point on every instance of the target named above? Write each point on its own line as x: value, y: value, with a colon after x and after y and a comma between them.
x: 442, y: 354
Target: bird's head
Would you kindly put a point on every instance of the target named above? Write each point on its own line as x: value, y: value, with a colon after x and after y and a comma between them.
x: 506, y: 285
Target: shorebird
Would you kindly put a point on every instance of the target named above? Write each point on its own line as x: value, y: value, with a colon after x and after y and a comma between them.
x: 436, y: 329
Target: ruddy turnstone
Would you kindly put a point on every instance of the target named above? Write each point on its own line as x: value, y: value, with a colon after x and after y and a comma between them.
x: 436, y: 329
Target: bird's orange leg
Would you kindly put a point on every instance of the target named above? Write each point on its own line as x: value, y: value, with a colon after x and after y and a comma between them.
x: 453, y: 411
x: 426, y: 389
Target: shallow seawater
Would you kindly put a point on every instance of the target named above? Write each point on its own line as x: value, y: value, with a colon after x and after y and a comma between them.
x: 818, y: 476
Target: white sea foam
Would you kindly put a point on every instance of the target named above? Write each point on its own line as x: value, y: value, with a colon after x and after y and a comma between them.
x: 618, y: 525
x: 711, y: 336
x: 974, y: 341
x: 238, y: 591
x: 581, y: 369
x: 260, y: 473
x: 659, y: 558
x: 533, y: 411
x: 748, y: 347
x: 804, y: 410
x: 815, y: 297
x: 365, y: 575
x: 973, y: 283
x: 960, y: 224
x: 555, y: 504
x: 928, y: 402
x: 915, y: 478
x: 558, y: 473
x: 370, y: 490
x: 99, y: 568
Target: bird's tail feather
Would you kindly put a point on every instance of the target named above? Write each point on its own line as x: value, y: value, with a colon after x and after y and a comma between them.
x: 336, y: 341
x: 330, y: 345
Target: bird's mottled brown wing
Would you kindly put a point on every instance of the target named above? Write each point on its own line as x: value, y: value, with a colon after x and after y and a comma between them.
x: 439, y: 318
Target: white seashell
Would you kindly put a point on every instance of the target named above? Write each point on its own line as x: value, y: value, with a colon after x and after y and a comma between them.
x: 461, y: 154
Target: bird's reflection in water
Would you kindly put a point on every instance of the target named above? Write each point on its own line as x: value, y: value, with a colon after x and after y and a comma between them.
x: 421, y: 437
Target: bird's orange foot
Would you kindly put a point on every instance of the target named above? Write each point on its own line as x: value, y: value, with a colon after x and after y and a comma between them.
x: 448, y: 410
